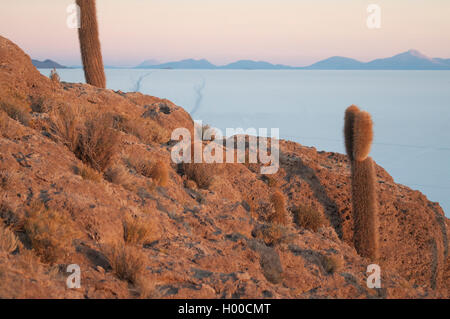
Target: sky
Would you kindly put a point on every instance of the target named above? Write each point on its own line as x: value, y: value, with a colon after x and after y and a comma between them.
x: 294, y: 32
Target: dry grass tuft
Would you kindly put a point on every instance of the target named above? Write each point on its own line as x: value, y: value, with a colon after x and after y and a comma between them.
x: 17, y: 109
x: 207, y: 132
x: 190, y: 184
x: 160, y: 173
x: 6, y: 179
x: 271, y: 181
x: 66, y: 121
x: 145, y: 130
x: 50, y: 232
x: 127, y: 261
x: 117, y: 175
x: 279, y: 214
x: 201, y: 173
x: 54, y: 76
x: 138, y: 230
x: 4, y: 124
x: 8, y: 240
x: 7, y: 213
x: 140, y: 165
x: 308, y: 218
x: 251, y: 204
x: 98, y: 141
x: 90, y: 136
x: 90, y: 174
x: 332, y: 264
x: 272, y: 234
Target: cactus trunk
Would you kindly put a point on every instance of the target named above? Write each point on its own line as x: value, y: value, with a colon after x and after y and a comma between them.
x: 365, y: 208
x: 90, y: 44
x: 358, y: 139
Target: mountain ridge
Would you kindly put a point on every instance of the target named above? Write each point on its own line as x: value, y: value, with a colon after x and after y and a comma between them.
x: 47, y: 64
x: 409, y: 60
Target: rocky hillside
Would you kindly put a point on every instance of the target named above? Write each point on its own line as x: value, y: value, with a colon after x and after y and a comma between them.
x: 86, y: 178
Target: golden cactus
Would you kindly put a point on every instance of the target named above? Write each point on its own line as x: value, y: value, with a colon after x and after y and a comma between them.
x: 358, y: 139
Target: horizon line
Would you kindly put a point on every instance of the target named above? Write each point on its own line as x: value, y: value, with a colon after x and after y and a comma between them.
x: 137, y: 66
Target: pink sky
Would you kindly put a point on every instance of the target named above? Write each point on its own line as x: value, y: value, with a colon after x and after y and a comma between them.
x: 295, y: 32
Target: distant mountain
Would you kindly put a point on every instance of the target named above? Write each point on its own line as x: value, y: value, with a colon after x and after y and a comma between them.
x: 147, y: 63
x: 47, y: 64
x: 336, y: 63
x: 183, y: 64
x: 443, y: 61
x: 254, y: 65
x: 410, y: 60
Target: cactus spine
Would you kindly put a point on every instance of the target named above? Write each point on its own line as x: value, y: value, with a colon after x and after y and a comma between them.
x: 358, y: 139
x: 90, y: 44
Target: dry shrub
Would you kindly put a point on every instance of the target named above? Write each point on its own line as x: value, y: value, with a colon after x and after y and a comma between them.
x: 272, y: 234
x: 7, y: 213
x: 308, y: 218
x: 138, y: 230
x: 50, y: 232
x: 271, y: 180
x: 54, y: 76
x: 160, y: 173
x: 66, y: 121
x: 207, y: 132
x: 17, y: 109
x: 98, y: 141
x: 117, y: 175
x: 190, y: 184
x: 202, y: 173
x: 4, y: 124
x: 252, y: 204
x: 22, y: 276
x: 90, y: 174
x: 279, y: 214
x: 8, y: 240
x: 332, y: 264
x: 155, y: 133
x: 140, y: 165
x: 6, y: 178
x: 145, y: 130
x: 127, y: 261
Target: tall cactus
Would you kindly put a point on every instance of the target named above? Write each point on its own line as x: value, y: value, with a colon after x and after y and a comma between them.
x: 358, y: 139
x: 90, y: 44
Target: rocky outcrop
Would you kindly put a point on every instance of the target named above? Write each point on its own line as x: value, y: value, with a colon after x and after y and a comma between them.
x: 204, y: 241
